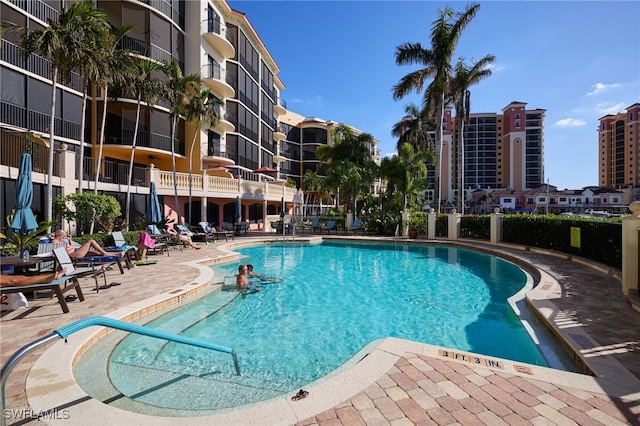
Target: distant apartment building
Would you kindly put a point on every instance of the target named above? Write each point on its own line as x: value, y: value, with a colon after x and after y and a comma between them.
x: 500, y: 151
x: 619, y: 149
x: 208, y: 38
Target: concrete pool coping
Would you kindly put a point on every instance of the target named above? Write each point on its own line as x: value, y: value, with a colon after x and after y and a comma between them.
x: 51, y: 386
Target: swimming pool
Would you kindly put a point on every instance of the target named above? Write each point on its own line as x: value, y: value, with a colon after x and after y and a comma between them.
x: 334, y: 298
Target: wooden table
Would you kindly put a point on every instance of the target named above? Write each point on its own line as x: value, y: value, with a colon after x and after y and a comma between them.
x: 21, y: 265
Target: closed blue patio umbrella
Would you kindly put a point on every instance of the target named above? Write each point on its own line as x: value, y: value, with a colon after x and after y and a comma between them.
x: 154, y: 211
x: 238, y: 215
x: 24, y: 222
x: 282, y: 214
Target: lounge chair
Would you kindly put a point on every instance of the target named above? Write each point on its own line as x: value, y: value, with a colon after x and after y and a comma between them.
x: 120, y: 244
x: 57, y: 287
x: 146, y: 243
x: 45, y: 249
x: 213, y: 231
x: 64, y: 260
x: 314, y: 225
x: 163, y: 238
x: 356, y: 226
x: 329, y: 226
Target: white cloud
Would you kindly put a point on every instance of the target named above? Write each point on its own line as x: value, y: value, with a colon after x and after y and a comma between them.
x: 496, y: 67
x: 601, y: 87
x: 389, y: 154
x: 613, y: 109
x: 570, y: 122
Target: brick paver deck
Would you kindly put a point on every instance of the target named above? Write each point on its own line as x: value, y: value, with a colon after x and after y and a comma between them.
x: 420, y: 387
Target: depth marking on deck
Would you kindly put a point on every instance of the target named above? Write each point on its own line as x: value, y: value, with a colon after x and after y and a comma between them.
x: 471, y: 359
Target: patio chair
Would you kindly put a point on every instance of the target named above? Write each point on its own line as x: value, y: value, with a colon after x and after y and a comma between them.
x: 208, y: 229
x: 164, y: 238
x: 146, y: 243
x: 57, y: 287
x: 329, y: 226
x: 64, y: 260
x: 120, y: 244
x: 314, y: 225
x: 44, y: 249
x: 356, y: 226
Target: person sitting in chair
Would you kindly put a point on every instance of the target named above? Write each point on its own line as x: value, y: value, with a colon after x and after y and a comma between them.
x: 18, y: 280
x: 88, y: 249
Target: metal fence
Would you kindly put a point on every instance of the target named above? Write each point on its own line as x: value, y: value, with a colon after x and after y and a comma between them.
x: 475, y: 227
x: 600, y: 241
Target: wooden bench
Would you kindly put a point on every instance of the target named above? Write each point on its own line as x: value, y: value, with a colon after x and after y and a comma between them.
x: 59, y: 287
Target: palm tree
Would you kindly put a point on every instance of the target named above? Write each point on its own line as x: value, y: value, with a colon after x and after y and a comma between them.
x: 462, y: 79
x: 436, y: 62
x: 407, y: 173
x: 414, y: 129
x: 201, y: 110
x: 178, y: 87
x: 63, y: 43
x: 118, y: 68
x: 148, y: 91
x: 89, y: 67
x: 348, y: 161
x: 311, y: 185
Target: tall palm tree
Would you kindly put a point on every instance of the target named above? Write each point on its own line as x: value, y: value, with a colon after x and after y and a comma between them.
x: 178, y: 87
x: 62, y: 43
x: 201, y: 110
x: 463, y: 78
x: 148, y: 91
x: 89, y: 66
x: 118, y: 67
x: 436, y: 63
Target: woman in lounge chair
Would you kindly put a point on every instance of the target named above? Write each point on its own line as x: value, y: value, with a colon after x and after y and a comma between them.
x: 88, y: 249
x: 182, y: 237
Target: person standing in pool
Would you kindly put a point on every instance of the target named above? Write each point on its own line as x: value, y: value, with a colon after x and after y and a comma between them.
x: 252, y: 274
x: 244, y: 286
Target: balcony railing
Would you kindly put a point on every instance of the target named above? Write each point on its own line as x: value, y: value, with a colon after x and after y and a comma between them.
x: 113, y: 172
x: 19, y: 117
x: 38, y: 8
x: 15, y: 55
x: 14, y: 144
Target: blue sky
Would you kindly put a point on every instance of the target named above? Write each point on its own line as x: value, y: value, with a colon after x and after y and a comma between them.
x: 578, y: 60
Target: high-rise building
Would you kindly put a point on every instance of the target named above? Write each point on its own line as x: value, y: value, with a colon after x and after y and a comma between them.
x: 619, y: 148
x: 207, y: 38
x: 497, y: 150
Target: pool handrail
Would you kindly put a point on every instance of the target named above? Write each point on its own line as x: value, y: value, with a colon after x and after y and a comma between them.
x: 76, y: 326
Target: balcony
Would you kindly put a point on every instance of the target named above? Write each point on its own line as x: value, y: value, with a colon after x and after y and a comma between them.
x: 215, y: 33
x: 214, y: 77
x: 224, y: 126
x: 279, y: 134
x: 280, y: 108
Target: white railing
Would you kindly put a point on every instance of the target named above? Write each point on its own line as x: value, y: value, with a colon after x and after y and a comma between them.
x: 215, y: 184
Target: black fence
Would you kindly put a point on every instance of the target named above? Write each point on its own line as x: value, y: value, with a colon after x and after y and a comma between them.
x: 596, y: 240
x: 475, y: 227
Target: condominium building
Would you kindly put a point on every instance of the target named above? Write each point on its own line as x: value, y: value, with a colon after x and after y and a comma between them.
x: 498, y: 151
x: 208, y: 38
x: 619, y: 148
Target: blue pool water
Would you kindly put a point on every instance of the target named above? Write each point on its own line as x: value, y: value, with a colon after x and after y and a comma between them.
x: 333, y: 299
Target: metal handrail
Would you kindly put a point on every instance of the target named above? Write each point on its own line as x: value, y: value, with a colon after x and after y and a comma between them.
x: 105, y: 322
